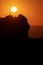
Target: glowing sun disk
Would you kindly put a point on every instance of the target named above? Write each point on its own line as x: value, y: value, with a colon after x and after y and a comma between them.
x: 13, y: 9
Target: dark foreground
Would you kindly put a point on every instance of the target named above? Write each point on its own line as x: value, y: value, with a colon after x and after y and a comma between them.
x: 14, y: 30
x: 23, y: 43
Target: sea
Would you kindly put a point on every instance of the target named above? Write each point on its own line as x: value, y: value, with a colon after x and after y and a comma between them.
x: 36, y: 31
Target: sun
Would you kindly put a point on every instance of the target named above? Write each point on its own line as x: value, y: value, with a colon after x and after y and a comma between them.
x: 13, y: 9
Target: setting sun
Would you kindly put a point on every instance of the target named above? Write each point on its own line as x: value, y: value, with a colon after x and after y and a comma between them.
x: 13, y: 9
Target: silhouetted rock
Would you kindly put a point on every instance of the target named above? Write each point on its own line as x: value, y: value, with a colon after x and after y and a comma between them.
x: 14, y: 30
x: 14, y: 27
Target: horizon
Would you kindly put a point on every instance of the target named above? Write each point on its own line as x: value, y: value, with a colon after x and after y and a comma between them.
x: 35, y: 31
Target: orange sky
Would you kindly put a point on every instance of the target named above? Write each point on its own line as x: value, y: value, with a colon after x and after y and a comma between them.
x: 32, y: 9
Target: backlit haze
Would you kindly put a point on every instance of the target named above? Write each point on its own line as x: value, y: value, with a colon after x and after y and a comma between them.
x: 32, y: 9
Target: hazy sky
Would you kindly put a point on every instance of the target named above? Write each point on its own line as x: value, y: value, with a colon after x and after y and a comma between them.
x: 32, y: 9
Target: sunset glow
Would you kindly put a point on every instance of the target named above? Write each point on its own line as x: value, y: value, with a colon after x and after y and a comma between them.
x: 32, y: 9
